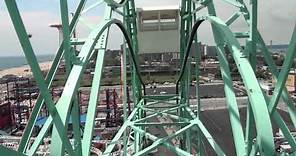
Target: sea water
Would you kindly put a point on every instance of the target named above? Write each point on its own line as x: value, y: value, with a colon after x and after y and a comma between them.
x: 7, y: 62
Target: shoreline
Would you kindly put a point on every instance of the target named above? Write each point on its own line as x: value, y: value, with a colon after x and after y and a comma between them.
x: 24, y: 70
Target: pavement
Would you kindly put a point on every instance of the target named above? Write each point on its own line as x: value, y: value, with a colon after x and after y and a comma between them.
x: 210, y: 90
x: 218, y: 124
x: 215, y: 117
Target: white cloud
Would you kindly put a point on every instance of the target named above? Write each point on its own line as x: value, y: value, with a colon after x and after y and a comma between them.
x: 44, y: 39
x: 276, y: 20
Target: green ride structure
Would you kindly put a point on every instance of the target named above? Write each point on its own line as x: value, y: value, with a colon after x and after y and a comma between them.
x: 256, y: 138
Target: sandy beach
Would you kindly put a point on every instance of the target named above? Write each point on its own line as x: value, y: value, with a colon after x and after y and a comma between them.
x: 25, y: 70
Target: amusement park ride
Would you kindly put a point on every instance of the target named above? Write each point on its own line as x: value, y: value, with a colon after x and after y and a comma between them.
x: 257, y: 137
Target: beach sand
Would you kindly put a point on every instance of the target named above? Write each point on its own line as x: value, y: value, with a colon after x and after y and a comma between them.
x: 24, y: 70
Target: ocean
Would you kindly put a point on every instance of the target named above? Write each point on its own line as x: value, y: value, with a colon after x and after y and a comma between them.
x: 7, y: 62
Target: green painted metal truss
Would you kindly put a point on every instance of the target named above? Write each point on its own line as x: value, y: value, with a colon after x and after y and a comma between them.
x: 134, y: 134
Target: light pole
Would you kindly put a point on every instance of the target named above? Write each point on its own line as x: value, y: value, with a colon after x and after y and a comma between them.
x: 59, y: 27
x: 74, y: 35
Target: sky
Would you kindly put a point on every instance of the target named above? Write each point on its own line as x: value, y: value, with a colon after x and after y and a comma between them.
x: 276, y: 21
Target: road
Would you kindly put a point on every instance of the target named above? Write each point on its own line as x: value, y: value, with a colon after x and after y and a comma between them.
x: 215, y: 117
x: 215, y: 90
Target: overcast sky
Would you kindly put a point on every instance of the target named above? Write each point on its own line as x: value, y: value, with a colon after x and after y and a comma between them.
x: 276, y: 21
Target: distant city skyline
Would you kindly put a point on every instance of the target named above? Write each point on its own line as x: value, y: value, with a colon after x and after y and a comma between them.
x: 276, y: 25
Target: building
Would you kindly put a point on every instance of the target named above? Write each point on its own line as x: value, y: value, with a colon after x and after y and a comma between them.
x: 291, y: 81
x: 279, y: 48
x: 158, y: 29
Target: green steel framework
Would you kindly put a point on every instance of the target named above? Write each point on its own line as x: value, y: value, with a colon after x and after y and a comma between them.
x: 133, y: 134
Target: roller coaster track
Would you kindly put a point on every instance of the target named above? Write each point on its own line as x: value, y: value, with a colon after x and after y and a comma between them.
x: 135, y: 132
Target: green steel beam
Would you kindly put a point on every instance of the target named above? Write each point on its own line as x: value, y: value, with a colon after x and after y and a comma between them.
x: 167, y: 145
x: 40, y: 136
x: 287, y: 133
x: 161, y: 141
x: 32, y: 61
x: 39, y: 103
x: 197, y: 89
x: 160, y: 97
x: 75, y: 75
x: 75, y: 113
x: 233, y: 110
x: 242, y: 34
x: 158, y: 113
x: 254, y: 150
x: 151, y: 102
x: 237, y: 130
x: 131, y: 26
x: 173, y: 116
x: 261, y: 115
x: 49, y: 78
x: 92, y: 6
x: 249, y: 133
x: 273, y: 69
x: 186, y: 25
x: 161, y: 107
x: 249, y: 50
x: 209, y: 138
x: 230, y: 95
x: 77, y: 42
x: 66, y: 35
x: 205, y: 133
x: 271, y: 65
x: 160, y: 123
x: 10, y: 152
x: 125, y: 95
x: 283, y: 75
x: 116, y: 3
x: 130, y: 21
x: 260, y: 108
x: 233, y: 18
x: 253, y: 35
x: 123, y: 128
x: 268, y: 59
x: 92, y: 106
x: 263, y: 124
x: 87, y: 24
x: 234, y: 3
